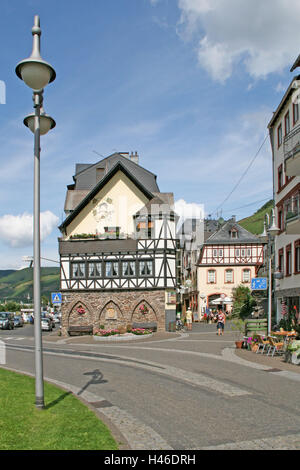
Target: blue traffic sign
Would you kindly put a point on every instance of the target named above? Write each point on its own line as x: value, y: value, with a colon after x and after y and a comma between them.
x: 56, y: 298
x: 259, y: 283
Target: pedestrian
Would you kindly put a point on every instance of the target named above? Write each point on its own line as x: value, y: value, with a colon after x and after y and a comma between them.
x: 221, y: 318
x: 189, y: 319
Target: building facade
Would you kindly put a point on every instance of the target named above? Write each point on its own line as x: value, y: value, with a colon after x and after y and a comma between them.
x: 118, y: 247
x: 284, y: 131
x: 230, y: 256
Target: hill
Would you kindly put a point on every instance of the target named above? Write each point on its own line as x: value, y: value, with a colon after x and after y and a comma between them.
x: 18, y: 285
x: 255, y: 223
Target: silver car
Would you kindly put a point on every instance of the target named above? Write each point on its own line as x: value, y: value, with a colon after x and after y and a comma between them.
x: 46, y: 324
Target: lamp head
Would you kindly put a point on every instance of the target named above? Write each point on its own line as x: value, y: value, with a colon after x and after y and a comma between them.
x: 46, y: 123
x: 35, y: 71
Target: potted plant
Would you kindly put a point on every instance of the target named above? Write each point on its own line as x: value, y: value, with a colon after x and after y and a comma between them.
x: 144, y: 309
x: 238, y: 327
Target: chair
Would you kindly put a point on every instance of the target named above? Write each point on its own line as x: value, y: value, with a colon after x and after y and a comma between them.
x: 262, y: 343
x: 276, y: 346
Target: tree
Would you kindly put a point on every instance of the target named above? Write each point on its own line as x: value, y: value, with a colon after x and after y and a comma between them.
x: 243, y: 302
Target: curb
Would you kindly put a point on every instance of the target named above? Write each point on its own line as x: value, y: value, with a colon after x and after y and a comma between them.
x: 88, y: 402
x: 121, y: 338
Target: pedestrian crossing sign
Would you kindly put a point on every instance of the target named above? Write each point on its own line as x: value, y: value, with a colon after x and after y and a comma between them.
x: 56, y: 298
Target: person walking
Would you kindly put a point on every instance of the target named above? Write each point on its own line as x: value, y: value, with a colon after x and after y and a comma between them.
x: 221, y: 319
x: 189, y: 319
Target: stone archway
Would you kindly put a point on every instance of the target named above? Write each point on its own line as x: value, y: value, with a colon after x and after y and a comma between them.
x: 79, y: 315
x: 144, y: 313
x: 111, y: 316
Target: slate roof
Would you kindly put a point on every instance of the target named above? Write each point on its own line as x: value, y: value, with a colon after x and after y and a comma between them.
x: 86, y: 175
x: 223, y: 235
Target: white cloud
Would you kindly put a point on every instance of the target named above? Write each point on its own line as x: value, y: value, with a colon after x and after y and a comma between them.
x: 186, y: 210
x: 17, y: 230
x: 262, y: 35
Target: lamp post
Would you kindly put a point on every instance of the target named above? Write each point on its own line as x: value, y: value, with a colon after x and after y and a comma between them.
x: 37, y: 73
x: 270, y: 231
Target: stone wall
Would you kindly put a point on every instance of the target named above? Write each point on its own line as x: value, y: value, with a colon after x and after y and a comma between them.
x: 113, y: 309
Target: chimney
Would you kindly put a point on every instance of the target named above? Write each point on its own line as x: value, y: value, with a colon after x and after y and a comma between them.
x: 134, y: 158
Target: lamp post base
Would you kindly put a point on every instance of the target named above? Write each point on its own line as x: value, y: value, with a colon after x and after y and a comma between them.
x: 39, y: 403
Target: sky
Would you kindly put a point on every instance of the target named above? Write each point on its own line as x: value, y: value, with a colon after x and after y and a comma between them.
x: 189, y: 84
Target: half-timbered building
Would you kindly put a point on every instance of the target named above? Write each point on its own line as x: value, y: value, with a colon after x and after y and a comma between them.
x: 118, y: 247
x: 229, y: 257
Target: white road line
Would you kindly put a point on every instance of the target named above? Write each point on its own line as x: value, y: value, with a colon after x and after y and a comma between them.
x: 198, y: 379
x: 287, y: 442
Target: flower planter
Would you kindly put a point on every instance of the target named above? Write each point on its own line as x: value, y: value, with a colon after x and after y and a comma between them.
x: 239, y: 344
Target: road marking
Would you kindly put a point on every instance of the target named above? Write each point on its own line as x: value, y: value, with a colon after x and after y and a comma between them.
x: 15, y: 338
x: 197, y: 379
x: 286, y: 442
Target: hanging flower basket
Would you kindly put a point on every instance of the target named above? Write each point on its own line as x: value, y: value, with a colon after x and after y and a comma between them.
x: 80, y: 310
x: 143, y: 309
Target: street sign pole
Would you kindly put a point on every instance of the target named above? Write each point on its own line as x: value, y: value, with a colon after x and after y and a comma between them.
x: 270, y: 297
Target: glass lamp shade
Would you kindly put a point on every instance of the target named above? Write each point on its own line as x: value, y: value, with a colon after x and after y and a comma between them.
x: 35, y: 74
x: 46, y: 123
x: 273, y: 231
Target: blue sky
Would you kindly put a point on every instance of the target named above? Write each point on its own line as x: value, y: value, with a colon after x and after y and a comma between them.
x: 189, y: 84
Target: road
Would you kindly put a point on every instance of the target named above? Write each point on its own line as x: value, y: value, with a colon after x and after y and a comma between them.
x: 181, y: 392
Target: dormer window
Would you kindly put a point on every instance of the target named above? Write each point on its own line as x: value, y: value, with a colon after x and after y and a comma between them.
x: 234, y: 233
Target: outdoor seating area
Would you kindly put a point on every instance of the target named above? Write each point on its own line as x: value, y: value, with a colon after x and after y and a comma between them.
x: 279, y: 343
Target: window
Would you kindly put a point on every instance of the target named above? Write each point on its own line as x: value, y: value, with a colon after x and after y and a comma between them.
x: 280, y: 260
x: 280, y: 218
x: 112, y: 232
x: 94, y: 269
x: 211, y: 277
x: 280, y: 177
x: 287, y: 123
x: 111, y: 268
x: 218, y: 253
x: 295, y: 112
x: 146, y: 268
x: 234, y: 233
x: 128, y: 268
x: 237, y: 252
x: 78, y: 270
x: 279, y: 135
x: 249, y: 252
x: 229, y: 275
x: 288, y: 253
x: 297, y: 256
x: 246, y: 276
x: 145, y: 228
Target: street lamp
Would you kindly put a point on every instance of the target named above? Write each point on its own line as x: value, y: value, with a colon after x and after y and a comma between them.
x: 269, y: 232
x: 37, y: 73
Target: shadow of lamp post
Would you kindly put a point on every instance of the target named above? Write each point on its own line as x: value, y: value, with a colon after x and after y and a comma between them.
x: 37, y: 73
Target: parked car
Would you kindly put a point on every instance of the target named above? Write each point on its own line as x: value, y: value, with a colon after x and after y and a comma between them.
x: 18, y: 320
x: 56, y: 318
x: 46, y: 324
x: 7, y: 320
x: 50, y: 317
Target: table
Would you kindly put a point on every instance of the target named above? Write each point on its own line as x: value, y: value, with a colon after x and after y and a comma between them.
x: 287, y: 335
